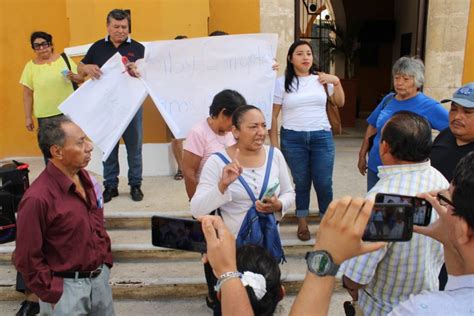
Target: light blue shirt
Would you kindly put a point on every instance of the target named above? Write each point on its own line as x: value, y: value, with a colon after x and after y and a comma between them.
x: 456, y: 299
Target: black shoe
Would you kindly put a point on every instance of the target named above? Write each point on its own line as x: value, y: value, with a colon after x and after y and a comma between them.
x: 28, y: 308
x: 109, y: 193
x: 136, y: 193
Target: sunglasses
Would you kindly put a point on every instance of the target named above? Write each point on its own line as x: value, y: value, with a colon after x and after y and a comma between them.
x: 37, y: 46
x: 444, y: 201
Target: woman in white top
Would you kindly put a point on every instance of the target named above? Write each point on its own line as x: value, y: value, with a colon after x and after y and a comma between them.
x: 218, y: 187
x: 306, y: 138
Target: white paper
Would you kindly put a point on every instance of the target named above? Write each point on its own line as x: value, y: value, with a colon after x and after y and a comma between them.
x: 103, y: 108
x: 182, y: 76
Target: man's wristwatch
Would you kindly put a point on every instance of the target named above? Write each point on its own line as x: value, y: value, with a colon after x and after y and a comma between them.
x: 320, y: 263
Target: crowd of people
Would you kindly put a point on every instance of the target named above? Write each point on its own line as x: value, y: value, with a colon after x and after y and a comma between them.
x: 63, y: 251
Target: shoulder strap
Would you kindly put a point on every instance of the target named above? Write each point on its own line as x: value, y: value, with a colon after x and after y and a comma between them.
x: 241, y: 179
x: 66, y: 61
x: 326, y: 90
x: 267, y: 172
x: 244, y: 183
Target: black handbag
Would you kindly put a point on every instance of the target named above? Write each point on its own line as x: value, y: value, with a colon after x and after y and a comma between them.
x: 13, y: 183
x: 7, y: 218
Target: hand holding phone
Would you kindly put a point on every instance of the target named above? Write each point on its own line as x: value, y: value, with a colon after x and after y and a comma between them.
x: 270, y: 202
x: 220, y: 244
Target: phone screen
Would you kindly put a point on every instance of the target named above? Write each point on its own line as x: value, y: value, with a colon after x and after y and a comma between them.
x: 422, y: 212
x: 177, y: 233
x: 390, y: 222
x: 422, y: 208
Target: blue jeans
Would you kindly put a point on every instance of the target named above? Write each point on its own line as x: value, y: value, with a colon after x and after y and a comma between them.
x: 133, y: 137
x: 310, y: 156
x: 372, y: 179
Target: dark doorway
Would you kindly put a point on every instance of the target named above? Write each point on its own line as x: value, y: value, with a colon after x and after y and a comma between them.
x: 387, y: 30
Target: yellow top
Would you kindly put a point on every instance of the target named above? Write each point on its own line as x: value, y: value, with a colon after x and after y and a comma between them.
x: 50, y: 87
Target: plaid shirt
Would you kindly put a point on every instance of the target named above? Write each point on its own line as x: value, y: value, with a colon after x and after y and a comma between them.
x: 393, y: 273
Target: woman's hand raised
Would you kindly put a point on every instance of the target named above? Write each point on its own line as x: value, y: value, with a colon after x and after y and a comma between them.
x: 230, y: 173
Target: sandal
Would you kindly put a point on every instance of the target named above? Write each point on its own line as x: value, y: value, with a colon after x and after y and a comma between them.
x: 304, y: 234
x: 178, y: 175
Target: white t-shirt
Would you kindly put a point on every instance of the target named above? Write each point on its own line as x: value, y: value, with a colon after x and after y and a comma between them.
x: 304, y: 108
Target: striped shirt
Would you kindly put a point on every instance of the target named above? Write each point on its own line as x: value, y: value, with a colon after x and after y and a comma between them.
x: 394, y: 272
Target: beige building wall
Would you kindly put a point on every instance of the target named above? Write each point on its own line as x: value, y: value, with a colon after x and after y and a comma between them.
x: 277, y: 16
x: 445, y: 46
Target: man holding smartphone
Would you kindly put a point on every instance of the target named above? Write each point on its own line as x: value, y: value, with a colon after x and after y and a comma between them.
x: 382, y: 279
x: 455, y: 230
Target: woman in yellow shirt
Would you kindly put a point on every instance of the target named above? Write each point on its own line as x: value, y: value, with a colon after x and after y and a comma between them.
x: 46, y: 80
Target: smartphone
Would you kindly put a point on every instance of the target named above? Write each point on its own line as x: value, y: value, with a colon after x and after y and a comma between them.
x: 270, y: 192
x: 390, y: 222
x: 177, y: 233
x: 422, y: 208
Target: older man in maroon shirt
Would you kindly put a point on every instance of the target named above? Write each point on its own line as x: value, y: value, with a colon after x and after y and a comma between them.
x: 62, y: 248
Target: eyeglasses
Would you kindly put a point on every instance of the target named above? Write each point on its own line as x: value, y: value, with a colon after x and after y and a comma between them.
x: 38, y: 46
x: 444, y: 201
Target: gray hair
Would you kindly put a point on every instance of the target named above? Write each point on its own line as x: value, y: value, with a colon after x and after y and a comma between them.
x: 52, y: 133
x: 410, y: 66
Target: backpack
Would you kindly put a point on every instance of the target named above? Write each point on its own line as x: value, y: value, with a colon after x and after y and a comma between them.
x: 259, y: 228
x: 13, y: 184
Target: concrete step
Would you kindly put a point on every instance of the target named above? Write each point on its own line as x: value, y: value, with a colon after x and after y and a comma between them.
x: 143, y: 280
x: 187, y: 306
x: 142, y: 219
x: 135, y: 244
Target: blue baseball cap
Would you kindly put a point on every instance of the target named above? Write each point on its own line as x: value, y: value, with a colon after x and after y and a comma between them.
x: 464, y: 96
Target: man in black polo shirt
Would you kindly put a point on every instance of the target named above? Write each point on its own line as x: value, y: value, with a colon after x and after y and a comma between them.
x: 118, y: 40
x: 455, y: 142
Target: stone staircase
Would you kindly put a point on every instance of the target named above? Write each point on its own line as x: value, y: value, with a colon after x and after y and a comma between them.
x: 145, y: 272
x: 147, y: 280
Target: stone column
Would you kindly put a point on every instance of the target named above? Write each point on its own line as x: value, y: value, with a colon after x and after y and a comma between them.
x: 277, y: 16
x: 445, y: 46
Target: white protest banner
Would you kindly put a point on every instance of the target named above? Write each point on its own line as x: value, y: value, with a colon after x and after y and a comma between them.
x: 182, y: 76
x: 103, y: 108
